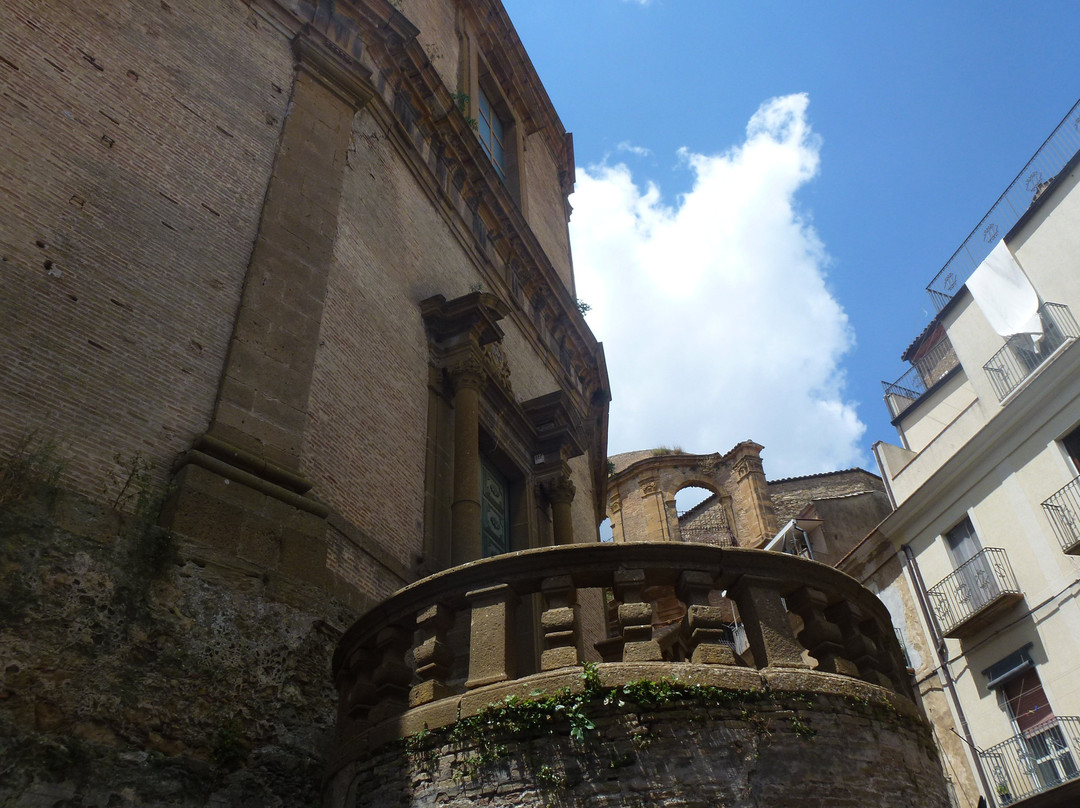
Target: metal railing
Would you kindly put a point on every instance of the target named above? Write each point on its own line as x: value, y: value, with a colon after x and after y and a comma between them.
x: 1034, y: 761
x: 971, y: 587
x: 924, y: 373
x: 1051, y: 157
x: 1063, y: 511
x: 1021, y: 355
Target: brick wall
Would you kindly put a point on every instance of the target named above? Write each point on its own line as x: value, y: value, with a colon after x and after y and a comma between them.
x: 136, y: 143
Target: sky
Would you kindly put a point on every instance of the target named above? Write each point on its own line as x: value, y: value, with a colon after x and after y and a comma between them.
x: 764, y: 190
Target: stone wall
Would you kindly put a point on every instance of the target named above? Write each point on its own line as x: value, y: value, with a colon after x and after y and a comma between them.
x: 791, y: 495
x: 787, y: 751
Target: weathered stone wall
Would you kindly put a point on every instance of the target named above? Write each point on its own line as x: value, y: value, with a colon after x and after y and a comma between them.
x: 785, y: 752
x: 642, y: 489
x: 791, y: 495
x: 137, y: 668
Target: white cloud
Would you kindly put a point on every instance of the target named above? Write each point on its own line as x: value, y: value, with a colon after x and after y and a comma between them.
x: 714, y: 312
x: 627, y: 146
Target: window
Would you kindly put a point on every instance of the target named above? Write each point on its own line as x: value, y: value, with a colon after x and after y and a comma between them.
x: 977, y: 586
x: 1071, y: 443
x: 1045, y: 751
x: 492, y: 134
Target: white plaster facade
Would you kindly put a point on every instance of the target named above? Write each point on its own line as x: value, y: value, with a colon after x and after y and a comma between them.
x: 965, y: 454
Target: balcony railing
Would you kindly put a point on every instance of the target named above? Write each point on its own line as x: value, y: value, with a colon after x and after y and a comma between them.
x: 1063, y: 511
x: 1051, y: 157
x: 511, y: 624
x: 974, y: 592
x: 1021, y: 355
x: 924, y: 373
x: 1034, y: 761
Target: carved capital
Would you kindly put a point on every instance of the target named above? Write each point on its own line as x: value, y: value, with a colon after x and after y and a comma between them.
x: 747, y: 466
x: 495, y: 359
x: 614, y: 503
x: 560, y: 490
x: 649, y: 486
x: 467, y: 373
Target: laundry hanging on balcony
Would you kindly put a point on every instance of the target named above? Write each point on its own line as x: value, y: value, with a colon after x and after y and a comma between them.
x: 1005, y: 295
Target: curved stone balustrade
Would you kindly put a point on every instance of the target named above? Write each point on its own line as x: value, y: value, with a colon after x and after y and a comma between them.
x: 460, y: 631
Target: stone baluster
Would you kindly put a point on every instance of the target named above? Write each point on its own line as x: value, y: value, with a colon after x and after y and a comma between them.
x: 821, y: 637
x: 559, y: 622
x: 635, y: 618
x: 392, y: 675
x: 433, y: 656
x: 767, y: 624
x: 490, y: 647
x: 889, y: 660
x: 356, y: 690
x: 859, y: 648
x: 704, y: 623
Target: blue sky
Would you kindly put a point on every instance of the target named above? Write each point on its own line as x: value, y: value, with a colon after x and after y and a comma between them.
x: 776, y: 274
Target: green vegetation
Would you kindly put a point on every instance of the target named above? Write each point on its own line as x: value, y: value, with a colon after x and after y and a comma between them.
x: 486, y: 734
x: 33, y: 464
x: 667, y: 450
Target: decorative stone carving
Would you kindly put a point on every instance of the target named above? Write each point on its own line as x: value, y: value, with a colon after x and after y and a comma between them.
x: 649, y: 486
x: 495, y: 359
x: 468, y: 373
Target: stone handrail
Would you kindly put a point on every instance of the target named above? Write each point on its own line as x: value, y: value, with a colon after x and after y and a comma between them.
x: 406, y: 653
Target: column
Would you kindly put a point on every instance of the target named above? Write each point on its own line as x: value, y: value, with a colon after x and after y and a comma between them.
x: 560, y: 492
x: 465, y: 535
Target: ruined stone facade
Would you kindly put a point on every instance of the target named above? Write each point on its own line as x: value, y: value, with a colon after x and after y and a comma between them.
x: 830, y: 512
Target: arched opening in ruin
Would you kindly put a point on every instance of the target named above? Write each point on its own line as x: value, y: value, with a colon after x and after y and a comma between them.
x: 606, y: 534
x: 689, y: 497
x: 704, y: 515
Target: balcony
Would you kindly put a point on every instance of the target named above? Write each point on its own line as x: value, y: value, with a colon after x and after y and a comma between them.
x: 974, y: 593
x: 1030, y: 183
x: 511, y: 625
x: 924, y: 373
x: 1021, y: 356
x: 1035, y: 761
x: 1063, y: 511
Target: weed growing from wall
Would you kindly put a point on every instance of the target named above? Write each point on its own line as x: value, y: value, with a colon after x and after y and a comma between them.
x: 34, y: 463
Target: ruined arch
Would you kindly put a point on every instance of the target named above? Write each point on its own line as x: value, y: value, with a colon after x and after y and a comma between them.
x: 642, y: 488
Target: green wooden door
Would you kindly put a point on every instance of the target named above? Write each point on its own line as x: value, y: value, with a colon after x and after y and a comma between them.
x: 494, y: 510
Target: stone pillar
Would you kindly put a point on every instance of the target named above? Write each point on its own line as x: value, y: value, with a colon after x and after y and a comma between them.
x: 490, y: 647
x: 465, y: 531
x: 614, y: 512
x: 263, y: 399
x: 768, y: 628
x: 754, y: 490
x: 655, y: 511
x: 560, y: 492
x: 239, y: 486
